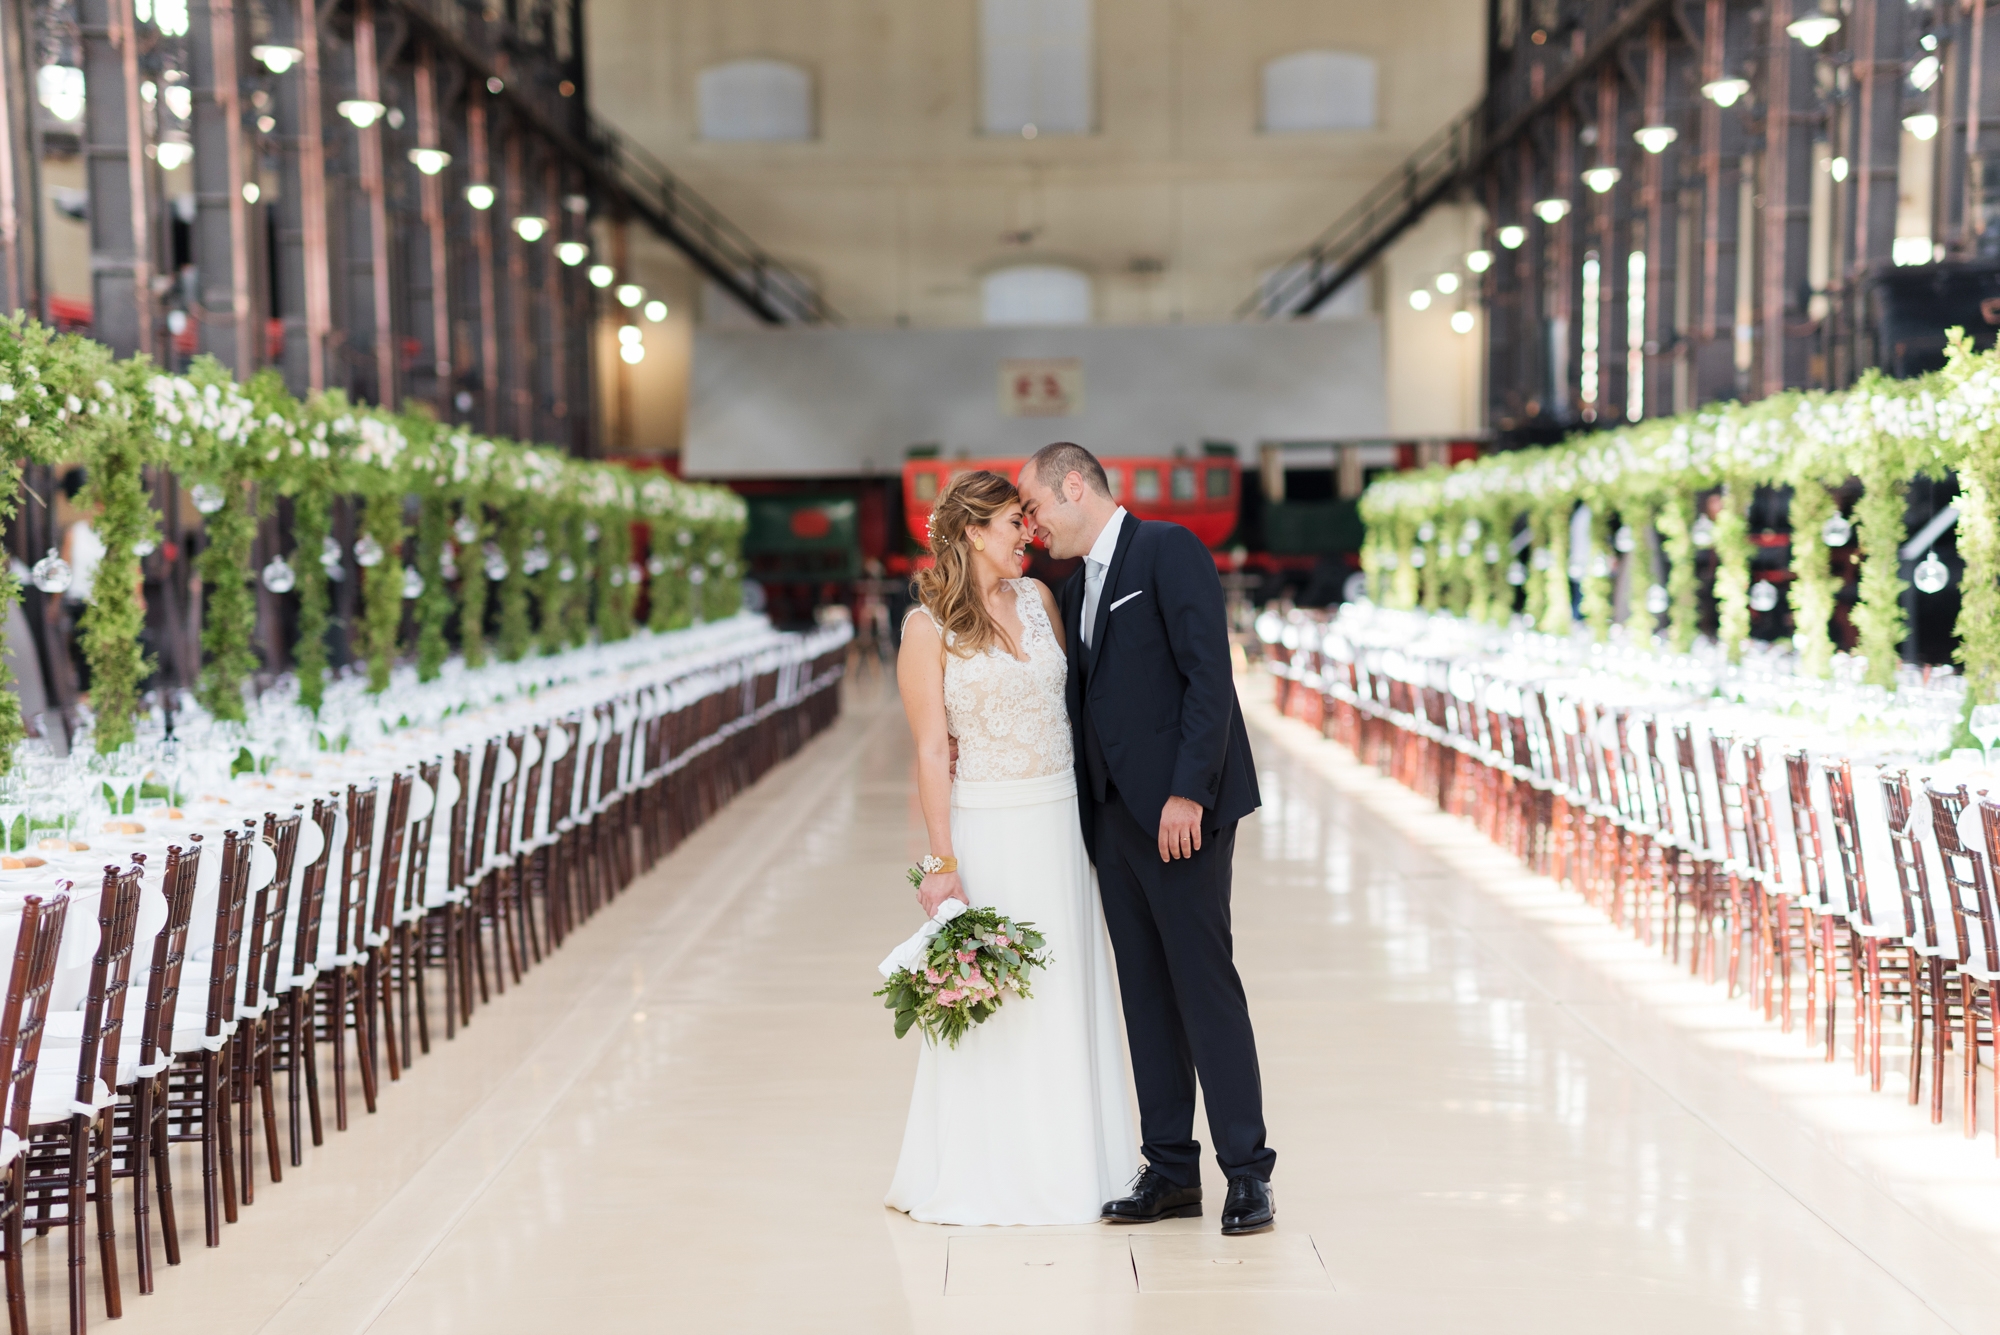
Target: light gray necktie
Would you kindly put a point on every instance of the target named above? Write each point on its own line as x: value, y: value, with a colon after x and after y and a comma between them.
x: 1093, y: 586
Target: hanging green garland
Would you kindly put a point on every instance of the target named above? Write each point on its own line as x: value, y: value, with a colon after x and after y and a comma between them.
x: 1733, y: 553
x: 472, y: 534
x: 434, y: 603
x: 516, y: 629
x: 1639, y: 514
x: 381, y: 584
x: 1597, y: 568
x: 1812, y: 584
x: 113, y: 623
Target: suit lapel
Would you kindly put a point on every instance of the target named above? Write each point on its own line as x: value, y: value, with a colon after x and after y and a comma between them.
x: 1126, y: 532
x: 1071, y: 605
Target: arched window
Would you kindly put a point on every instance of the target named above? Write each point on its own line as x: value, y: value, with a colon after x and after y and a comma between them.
x: 1319, y: 90
x: 750, y: 100
x: 1035, y: 60
x: 1036, y: 294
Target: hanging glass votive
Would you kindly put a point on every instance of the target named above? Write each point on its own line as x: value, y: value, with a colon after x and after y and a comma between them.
x: 466, y: 530
x: 52, y: 574
x: 207, y: 499
x: 1492, y: 553
x: 1517, y: 574
x: 1657, y: 600
x: 1837, y: 531
x: 330, y: 560
x: 496, y: 563
x: 368, y: 552
x: 1702, y: 531
x: 656, y: 565
x: 565, y: 570
x: 1625, y: 540
x: 1931, y: 574
x: 278, y: 575
x: 1763, y: 596
x: 413, y: 583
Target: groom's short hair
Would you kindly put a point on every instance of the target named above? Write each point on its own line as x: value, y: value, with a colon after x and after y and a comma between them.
x: 1053, y: 463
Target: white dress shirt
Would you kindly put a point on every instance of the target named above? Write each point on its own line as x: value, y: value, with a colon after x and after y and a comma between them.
x: 1096, y: 562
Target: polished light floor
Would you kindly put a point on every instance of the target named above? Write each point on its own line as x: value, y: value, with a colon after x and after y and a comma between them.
x: 1491, y: 1111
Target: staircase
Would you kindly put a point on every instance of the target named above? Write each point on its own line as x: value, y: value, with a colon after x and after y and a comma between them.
x: 716, y: 246
x: 1351, y: 244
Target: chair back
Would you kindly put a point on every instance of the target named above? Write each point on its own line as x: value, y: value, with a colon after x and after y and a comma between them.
x: 225, y: 957
x: 394, y: 834
x: 1762, y: 830
x: 1729, y: 800
x: 562, y: 776
x: 1965, y: 875
x: 312, y: 889
x: 475, y: 852
x: 163, y: 984
x: 351, y: 899
x: 258, y: 974
x: 531, y: 785
x: 503, y: 835
x: 419, y: 873
x: 1805, y: 827
x: 1693, y: 807
x: 1907, y: 849
x: 110, y: 980
x: 455, y: 854
x: 36, y: 951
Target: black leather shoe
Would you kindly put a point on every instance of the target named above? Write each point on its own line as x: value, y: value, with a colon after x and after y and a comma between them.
x: 1248, y: 1208
x: 1153, y: 1198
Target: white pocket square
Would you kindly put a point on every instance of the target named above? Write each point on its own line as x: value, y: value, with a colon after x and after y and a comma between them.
x: 1122, y: 601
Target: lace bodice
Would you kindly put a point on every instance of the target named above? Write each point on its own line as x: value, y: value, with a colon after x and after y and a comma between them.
x: 1008, y: 715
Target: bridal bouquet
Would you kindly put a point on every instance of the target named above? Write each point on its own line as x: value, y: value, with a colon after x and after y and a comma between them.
x: 957, y: 970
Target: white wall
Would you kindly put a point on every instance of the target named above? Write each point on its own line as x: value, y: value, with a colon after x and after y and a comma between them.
x: 846, y: 401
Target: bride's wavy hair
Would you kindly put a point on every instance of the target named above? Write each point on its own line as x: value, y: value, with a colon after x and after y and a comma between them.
x: 947, y: 590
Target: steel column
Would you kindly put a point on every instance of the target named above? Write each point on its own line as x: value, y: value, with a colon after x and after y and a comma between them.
x: 222, y: 233
x: 114, y: 152
x: 431, y: 196
x: 482, y: 246
x: 1784, y: 286
x: 368, y: 144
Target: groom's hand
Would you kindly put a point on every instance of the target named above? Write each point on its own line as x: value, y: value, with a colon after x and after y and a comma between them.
x: 1180, y: 829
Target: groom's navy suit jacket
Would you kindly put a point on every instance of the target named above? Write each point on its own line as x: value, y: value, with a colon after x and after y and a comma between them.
x: 1152, y: 702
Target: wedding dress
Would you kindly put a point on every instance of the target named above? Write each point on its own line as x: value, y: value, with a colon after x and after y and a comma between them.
x: 1028, y: 1120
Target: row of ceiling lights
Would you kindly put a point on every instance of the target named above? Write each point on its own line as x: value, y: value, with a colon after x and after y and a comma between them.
x: 531, y: 228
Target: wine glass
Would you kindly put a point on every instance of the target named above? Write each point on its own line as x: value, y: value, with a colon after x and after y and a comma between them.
x: 1985, y: 725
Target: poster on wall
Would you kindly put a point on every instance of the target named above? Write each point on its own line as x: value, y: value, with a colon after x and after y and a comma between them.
x: 1041, y: 386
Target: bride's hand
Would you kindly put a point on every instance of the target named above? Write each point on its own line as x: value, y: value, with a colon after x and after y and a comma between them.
x: 937, y: 888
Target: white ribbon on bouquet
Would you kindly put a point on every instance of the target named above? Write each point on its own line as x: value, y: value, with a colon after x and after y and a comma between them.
x: 915, y: 950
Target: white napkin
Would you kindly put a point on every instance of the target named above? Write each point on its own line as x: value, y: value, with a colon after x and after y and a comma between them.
x: 914, y: 950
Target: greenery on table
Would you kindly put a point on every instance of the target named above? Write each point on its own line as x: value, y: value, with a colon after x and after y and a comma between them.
x: 65, y: 400
x: 1655, y: 474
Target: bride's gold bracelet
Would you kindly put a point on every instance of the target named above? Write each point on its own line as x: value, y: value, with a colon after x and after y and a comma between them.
x: 937, y: 866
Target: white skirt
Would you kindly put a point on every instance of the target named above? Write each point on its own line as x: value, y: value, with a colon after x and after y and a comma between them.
x: 1028, y: 1120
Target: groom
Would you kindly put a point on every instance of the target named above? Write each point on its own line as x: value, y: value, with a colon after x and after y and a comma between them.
x: 1163, y: 775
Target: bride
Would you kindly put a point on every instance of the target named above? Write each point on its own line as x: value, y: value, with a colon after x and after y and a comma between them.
x: 1028, y: 1120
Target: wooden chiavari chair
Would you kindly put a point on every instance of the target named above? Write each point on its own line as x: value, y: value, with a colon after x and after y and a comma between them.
x: 1702, y: 854
x: 472, y: 867
x: 253, y: 1052
x: 379, y: 914
x: 1827, y: 946
x: 143, y: 1143
x: 198, y: 1096
x: 68, y: 1151
x: 1989, y: 827
x: 1932, y: 1001
x: 1888, y: 969
x: 342, y: 998
x: 36, y: 950
x: 1977, y: 959
x: 296, y: 1048
x: 408, y: 953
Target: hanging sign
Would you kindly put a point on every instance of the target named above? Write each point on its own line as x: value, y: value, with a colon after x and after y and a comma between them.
x: 1041, y: 387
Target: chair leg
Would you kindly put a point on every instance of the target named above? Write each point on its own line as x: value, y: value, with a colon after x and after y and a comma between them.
x: 163, y: 1175
x: 107, y: 1219
x: 241, y: 1090
x: 265, y: 1071
x: 17, y: 1281
x: 74, y: 1221
x: 336, y: 1032
x: 142, y: 1166
x: 221, y: 1134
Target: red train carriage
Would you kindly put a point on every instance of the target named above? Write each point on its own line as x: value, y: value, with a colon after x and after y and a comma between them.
x: 1202, y: 493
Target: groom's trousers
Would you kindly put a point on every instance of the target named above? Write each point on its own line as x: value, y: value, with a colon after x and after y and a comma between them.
x: 1185, y: 1014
